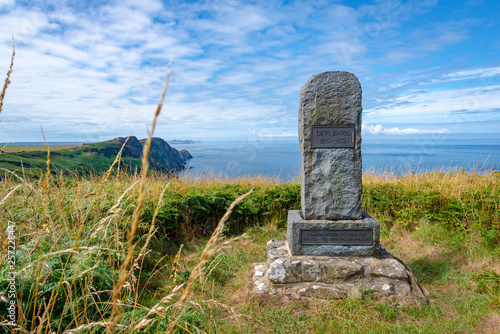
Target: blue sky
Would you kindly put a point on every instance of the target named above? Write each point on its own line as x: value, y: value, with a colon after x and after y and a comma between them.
x: 94, y: 70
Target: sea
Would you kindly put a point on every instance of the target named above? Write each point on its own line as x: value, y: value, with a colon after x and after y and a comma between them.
x: 381, y: 154
x: 396, y: 154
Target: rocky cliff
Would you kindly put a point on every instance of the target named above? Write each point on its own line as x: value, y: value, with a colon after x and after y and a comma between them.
x: 162, y: 157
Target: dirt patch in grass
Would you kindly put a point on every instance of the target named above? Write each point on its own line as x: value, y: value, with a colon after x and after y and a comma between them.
x: 412, y: 248
x: 480, y: 266
x: 490, y: 324
x: 240, y: 298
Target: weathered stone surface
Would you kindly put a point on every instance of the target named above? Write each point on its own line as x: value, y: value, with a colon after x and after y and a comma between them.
x: 383, y: 287
x: 296, y: 223
x: 390, y: 268
x: 322, y: 292
x: 328, y: 277
x: 331, y: 177
x: 284, y: 271
x: 276, y: 250
x: 313, y: 271
x: 343, y: 270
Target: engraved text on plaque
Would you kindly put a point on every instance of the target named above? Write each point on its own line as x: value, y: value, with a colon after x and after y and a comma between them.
x: 332, y: 137
x: 352, y: 237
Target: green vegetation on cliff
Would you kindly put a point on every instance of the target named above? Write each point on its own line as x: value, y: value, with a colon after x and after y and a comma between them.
x: 96, y: 158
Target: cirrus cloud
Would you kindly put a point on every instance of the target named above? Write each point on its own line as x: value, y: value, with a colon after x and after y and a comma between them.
x: 379, y: 129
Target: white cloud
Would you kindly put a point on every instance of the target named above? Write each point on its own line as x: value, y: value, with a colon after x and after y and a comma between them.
x: 92, y: 68
x: 472, y: 74
x: 379, y: 129
x: 147, y: 6
x: 400, y: 56
x: 441, y: 40
x: 446, y: 105
x: 6, y: 3
x: 279, y: 135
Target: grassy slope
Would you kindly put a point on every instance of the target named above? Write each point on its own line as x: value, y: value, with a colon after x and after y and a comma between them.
x: 30, y: 148
x: 78, y: 159
x: 88, y: 158
x: 444, y: 225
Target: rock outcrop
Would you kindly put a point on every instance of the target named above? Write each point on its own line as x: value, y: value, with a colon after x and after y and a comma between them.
x: 185, y: 154
x: 162, y: 157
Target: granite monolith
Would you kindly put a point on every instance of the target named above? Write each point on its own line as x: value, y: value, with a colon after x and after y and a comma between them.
x: 330, y: 142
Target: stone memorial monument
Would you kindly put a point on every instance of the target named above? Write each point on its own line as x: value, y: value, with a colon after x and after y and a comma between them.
x: 333, y: 247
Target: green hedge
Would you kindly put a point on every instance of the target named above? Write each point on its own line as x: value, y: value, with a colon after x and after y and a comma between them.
x: 187, y: 215
x: 476, y: 209
x: 197, y: 212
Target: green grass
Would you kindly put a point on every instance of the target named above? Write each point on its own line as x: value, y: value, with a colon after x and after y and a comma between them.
x: 444, y: 226
x: 81, y: 159
x: 39, y: 148
x: 456, y: 306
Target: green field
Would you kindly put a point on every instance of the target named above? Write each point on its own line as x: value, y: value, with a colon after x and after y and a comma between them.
x: 67, y: 159
x: 32, y: 148
x: 72, y: 242
x: 95, y: 158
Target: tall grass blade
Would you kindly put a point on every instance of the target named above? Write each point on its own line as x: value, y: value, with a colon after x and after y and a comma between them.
x: 7, y: 79
x: 124, y: 272
x: 211, y: 248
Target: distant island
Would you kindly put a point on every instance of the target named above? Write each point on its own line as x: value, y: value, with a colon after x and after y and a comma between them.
x: 185, y: 141
x: 97, y: 158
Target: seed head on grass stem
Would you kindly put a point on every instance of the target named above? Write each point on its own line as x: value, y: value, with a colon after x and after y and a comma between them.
x: 212, y: 247
x: 23, y: 181
x: 101, y: 185
x: 124, y: 272
x: 7, y: 79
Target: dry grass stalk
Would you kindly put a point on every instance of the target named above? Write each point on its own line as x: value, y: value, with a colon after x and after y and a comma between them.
x: 124, y: 271
x: 151, y: 228
x: 211, y: 249
x: 101, y: 185
x: 176, y: 264
x: 115, y: 207
x: 87, y: 326
x: 157, y: 308
x: 142, y: 252
x: 114, y: 214
x: 100, y: 226
x: 7, y: 79
x: 23, y: 181
x: 211, y: 178
x: 46, y: 189
x: 8, y: 195
x: 5, y: 325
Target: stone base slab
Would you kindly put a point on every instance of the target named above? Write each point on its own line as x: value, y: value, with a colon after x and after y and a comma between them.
x: 327, y: 277
x: 296, y: 223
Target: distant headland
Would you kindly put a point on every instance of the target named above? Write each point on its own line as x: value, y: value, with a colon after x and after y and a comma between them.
x: 185, y: 141
x: 93, y: 158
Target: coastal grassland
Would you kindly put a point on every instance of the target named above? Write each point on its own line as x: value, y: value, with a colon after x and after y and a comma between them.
x: 78, y: 159
x: 31, y: 148
x: 72, y: 241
